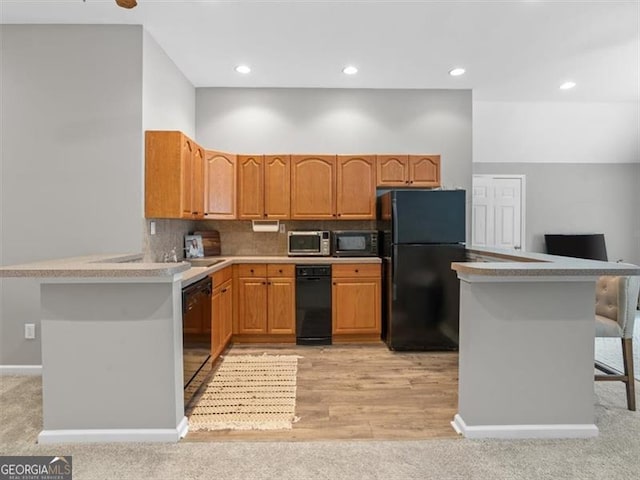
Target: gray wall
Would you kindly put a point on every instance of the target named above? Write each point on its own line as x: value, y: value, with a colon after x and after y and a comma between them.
x: 340, y: 121
x: 580, y: 198
x: 71, y: 156
x: 168, y: 97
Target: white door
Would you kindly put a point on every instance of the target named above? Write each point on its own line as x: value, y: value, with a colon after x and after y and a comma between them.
x: 498, y: 211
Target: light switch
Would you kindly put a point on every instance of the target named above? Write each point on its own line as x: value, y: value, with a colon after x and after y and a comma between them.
x: 29, y: 331
x: 152, y: 228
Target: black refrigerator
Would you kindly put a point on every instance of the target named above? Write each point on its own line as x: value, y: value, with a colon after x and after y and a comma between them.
x: 424, y: 232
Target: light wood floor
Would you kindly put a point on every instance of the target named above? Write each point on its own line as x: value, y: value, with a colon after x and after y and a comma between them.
x: 362, y: 392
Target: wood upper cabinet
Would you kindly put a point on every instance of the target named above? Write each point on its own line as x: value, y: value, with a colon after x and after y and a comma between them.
x: 219, y: 185
x: 264, y: 183
x: 356, y: 299
x: 173, y: 176
x: 251, y: 186
x: 393, y: 170
x: 266, y: 299
x: 313, y: 180
x: 408, y: 170
x: 277, y: 186
x: 356, y: 187
x: 424, y: 170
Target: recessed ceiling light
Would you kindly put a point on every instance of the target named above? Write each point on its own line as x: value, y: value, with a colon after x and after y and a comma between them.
x: 243, y: 69
x: 567, y: 85
x: 349, y: 70
x: 456, y: 72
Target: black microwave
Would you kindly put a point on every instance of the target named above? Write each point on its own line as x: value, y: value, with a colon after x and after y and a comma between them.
x: 355, y: 243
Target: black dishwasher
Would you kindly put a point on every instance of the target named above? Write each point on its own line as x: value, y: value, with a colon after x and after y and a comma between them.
x: 313, y: 304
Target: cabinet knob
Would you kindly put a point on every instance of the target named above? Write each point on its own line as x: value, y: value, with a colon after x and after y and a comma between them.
x: 264, y: 283
x: 406, y: 181
x: 224, y: 290
x: 411, y: 181
x: 356, y: 270
x: 264, y: 215
x: 334, y: 214
x: 334, y: 283
x: 339, y: 214
x: 280, y: 271
x: 268, y: 283
x: 251, y: 270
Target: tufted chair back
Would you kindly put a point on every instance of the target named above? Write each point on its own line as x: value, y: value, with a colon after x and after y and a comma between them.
x: 616, y: 301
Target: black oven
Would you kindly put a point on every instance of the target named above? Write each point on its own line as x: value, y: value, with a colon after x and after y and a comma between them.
x: 355, y: 243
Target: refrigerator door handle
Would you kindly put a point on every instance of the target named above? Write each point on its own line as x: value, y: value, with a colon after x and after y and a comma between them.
x: 394, y: 262
x: 394, y: 221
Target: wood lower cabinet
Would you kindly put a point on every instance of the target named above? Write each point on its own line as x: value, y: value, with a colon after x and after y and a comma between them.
x: 356, y: 299
x: 221, y: 311
x: 408, y: 170
x: 219, y: 185
x: 174, y: 176
x: 356, y: 187
x: 265, y: 299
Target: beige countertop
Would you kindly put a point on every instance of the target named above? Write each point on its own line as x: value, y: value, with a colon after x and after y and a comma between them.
x: 513, y: 263
x: 95, y: 266
x: 132, y: 265
x: 491, y: 262
x: 196, y: 273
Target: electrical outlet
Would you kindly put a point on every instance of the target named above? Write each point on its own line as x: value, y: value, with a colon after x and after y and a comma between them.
x: 282, y: 229
x: 29, y: 331
x: 152, y: 227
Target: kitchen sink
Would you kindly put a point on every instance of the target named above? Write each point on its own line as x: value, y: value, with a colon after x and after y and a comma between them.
x: 204, y: 262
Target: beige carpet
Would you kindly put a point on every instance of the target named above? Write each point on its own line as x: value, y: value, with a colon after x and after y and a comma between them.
x: 248, y: 392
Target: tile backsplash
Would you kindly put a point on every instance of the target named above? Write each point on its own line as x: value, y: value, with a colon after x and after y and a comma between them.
x: 169, y: 234
x: 236, y: 236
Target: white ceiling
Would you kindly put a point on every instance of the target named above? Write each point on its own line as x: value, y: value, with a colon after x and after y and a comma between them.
x: 512, y: 50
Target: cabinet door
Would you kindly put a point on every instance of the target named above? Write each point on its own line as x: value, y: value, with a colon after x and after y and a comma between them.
x: 197, y: 175
x: 186, y: 175
x: 424, y: 170
x: 277, y: 186
x: 217, y: 322
x: 313, y: 187
x: 393, y: 170
x: 163, y: 152
x: 252, y: 305
x: 356, y: 187
x: 227, y: 312
x: 356, y: 305
x: 281, y: 303
x: 250, y: 186
x: 220, y: 185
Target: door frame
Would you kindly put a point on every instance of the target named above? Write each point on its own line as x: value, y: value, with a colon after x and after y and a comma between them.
x: 523, y: 206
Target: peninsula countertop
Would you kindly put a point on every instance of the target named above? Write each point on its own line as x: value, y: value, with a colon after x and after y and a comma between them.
x: 95, y: 266
x: 514, y: 263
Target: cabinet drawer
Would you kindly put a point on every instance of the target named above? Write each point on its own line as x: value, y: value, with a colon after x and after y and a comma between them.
x: 221, y: 276
x: 281, y: 270
x: 355, y: 270
x: 252, y: 270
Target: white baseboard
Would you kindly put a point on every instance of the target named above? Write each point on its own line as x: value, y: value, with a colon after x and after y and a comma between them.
x: 115, y: 435
x: 20, y: 370
x: 524, y: 431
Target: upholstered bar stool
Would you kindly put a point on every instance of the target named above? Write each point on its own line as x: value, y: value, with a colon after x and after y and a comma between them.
x: 616, y: 302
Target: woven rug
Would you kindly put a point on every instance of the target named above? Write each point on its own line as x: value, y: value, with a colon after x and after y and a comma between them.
x: 249, y: 392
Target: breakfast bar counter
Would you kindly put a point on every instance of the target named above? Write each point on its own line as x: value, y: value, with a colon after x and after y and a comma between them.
x: 527, y: 328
